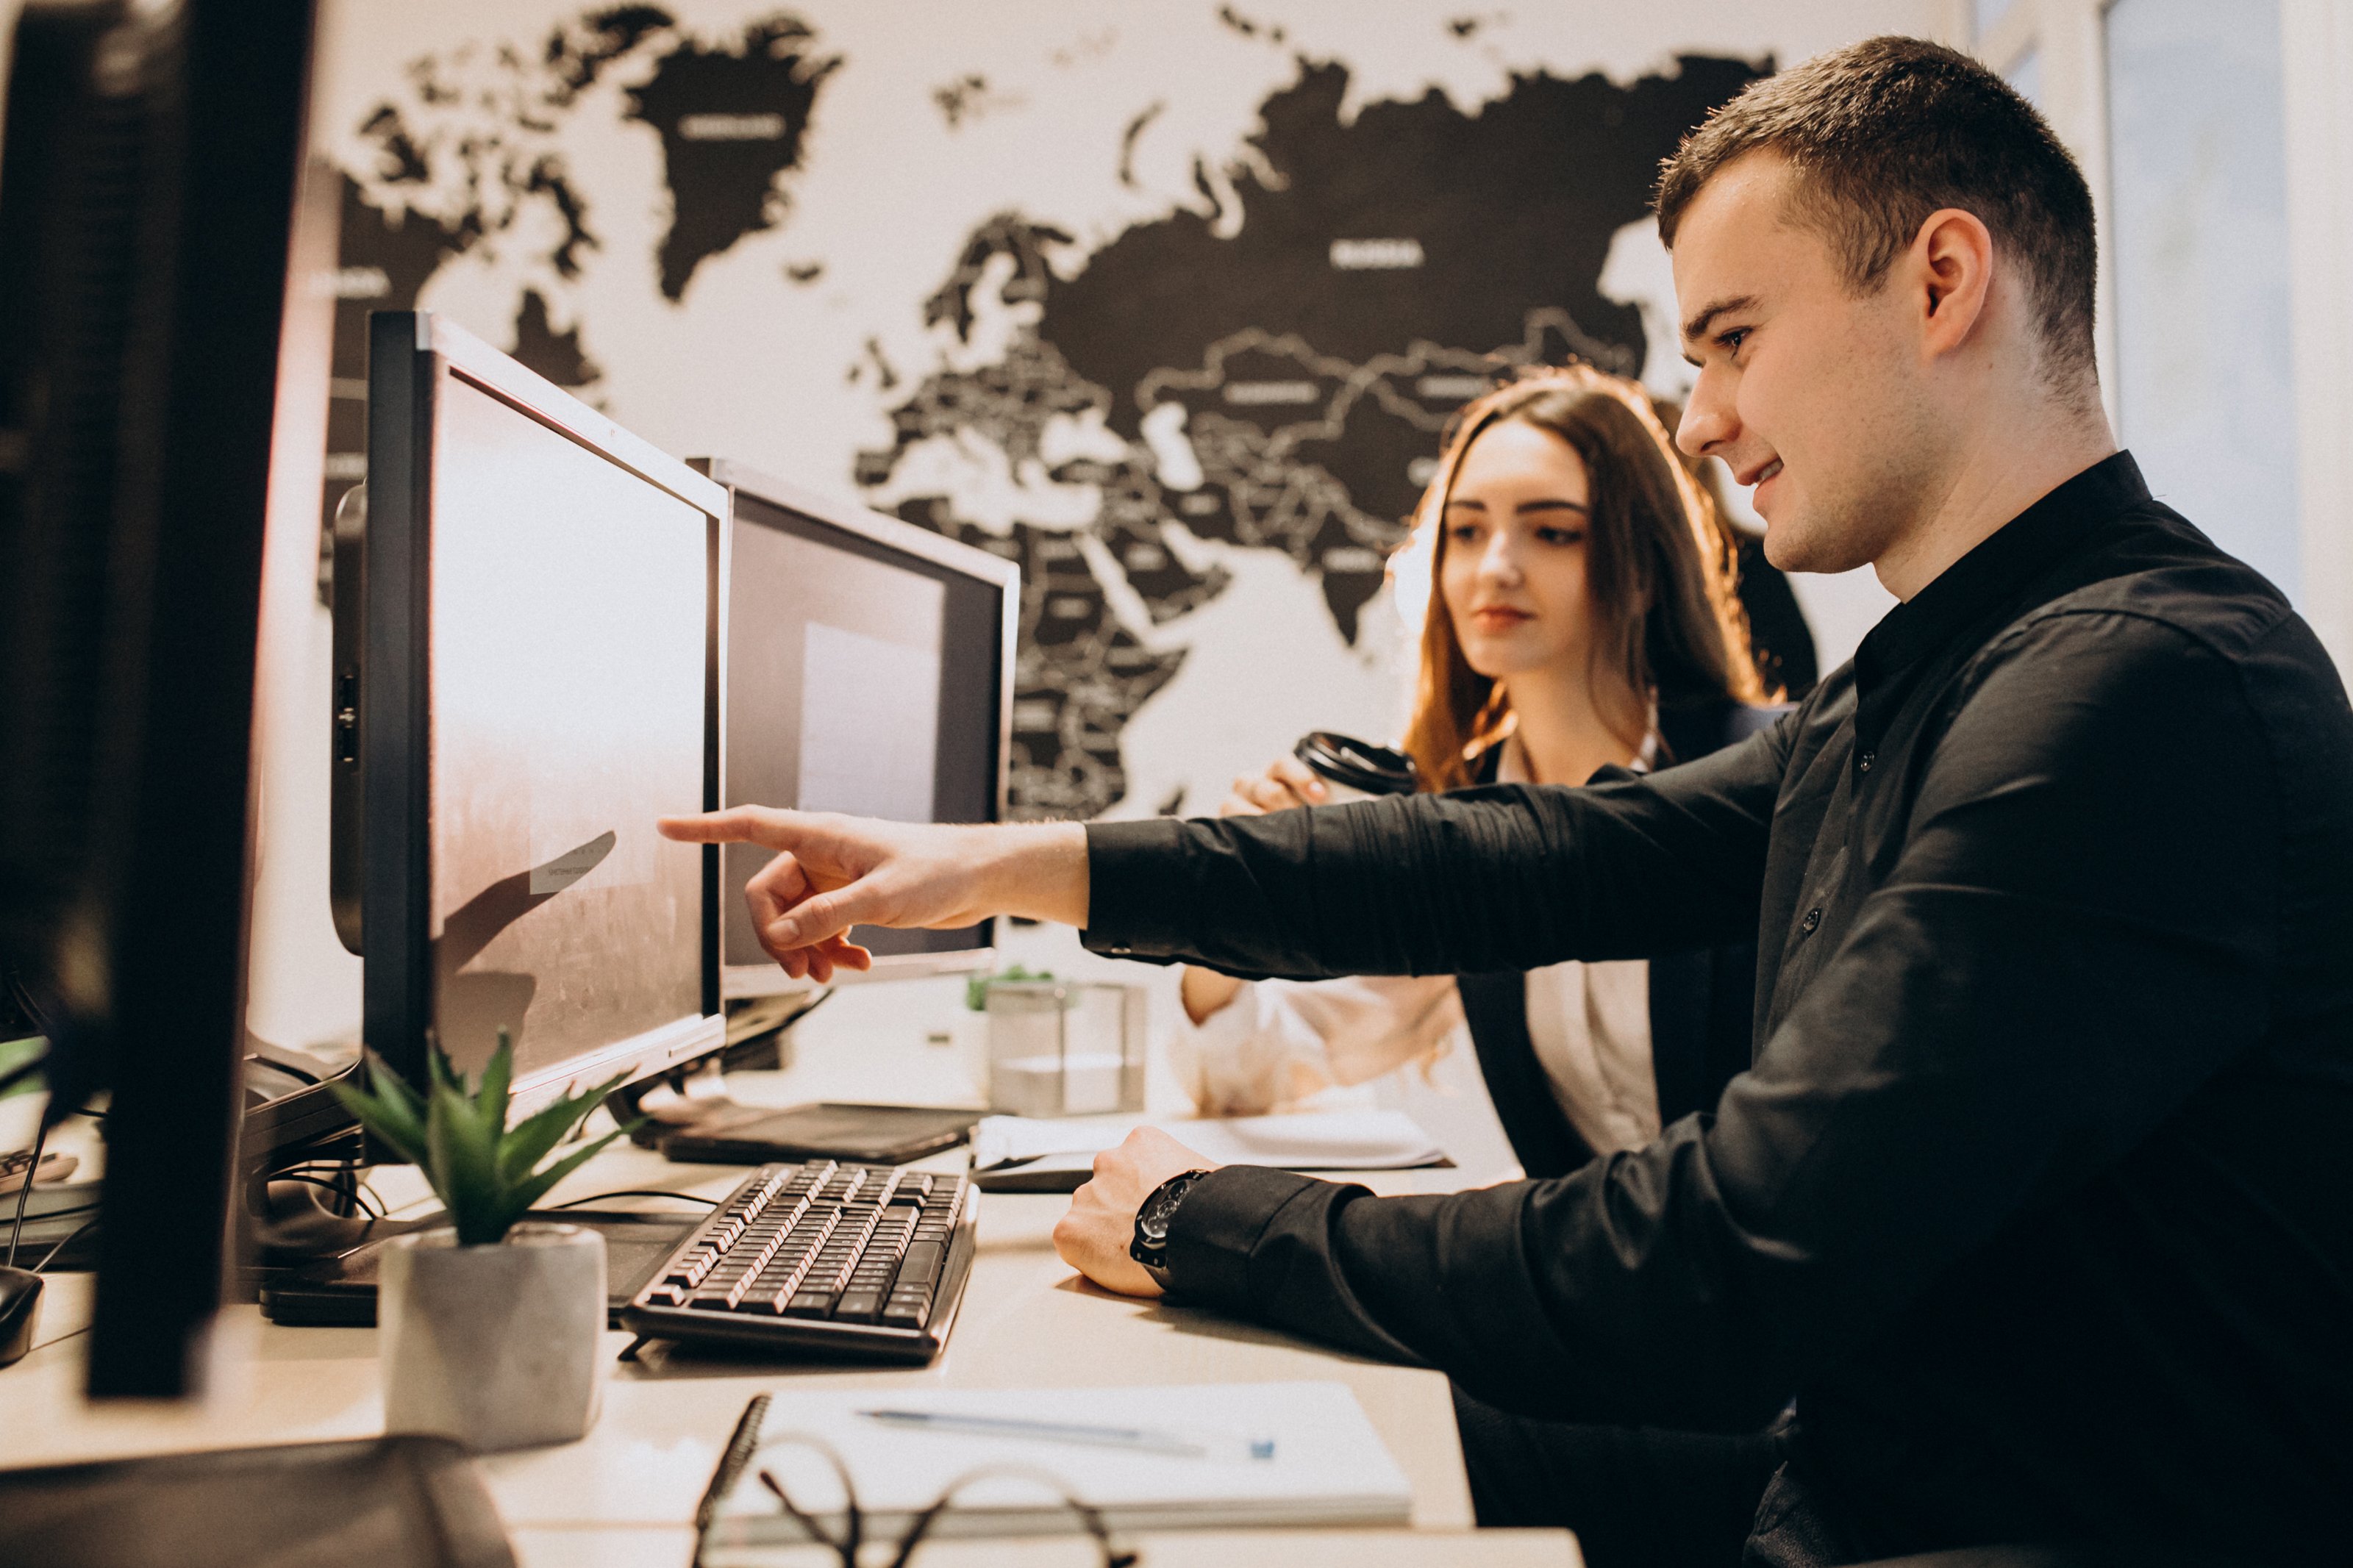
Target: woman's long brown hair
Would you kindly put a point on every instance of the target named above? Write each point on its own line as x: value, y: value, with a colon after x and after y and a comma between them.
x: 1667, y: 626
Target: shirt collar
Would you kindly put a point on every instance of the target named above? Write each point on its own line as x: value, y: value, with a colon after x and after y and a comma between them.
x: 1998, y: 568
x: 1512, y: 756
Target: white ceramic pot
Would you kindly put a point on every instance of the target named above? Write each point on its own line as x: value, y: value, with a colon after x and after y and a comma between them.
x: 499, y: 1346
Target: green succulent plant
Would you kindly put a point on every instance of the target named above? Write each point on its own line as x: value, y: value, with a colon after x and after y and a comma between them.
x: 975, y: 990
x: 485, y: 1173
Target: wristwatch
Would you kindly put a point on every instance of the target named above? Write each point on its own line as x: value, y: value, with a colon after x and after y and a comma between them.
x: 1150, y: 1247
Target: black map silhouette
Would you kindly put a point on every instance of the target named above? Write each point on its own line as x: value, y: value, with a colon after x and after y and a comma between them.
x: 733, y: 119
x: 1363, y: 282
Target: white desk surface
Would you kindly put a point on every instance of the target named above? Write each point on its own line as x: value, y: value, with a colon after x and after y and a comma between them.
x: 626, y: 1493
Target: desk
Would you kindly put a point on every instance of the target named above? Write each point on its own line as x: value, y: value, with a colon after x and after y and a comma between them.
x: 626, y: 1493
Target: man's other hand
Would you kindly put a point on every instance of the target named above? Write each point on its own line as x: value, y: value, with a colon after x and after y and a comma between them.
x: 1093, y: 1236
x: 833, y: 872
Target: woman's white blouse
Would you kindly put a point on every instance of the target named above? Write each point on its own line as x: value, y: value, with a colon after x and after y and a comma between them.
x: 1281, y: 1040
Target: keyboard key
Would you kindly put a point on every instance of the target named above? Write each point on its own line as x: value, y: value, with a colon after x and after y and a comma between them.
x: 809, y: 1304
x: 920, y: 1264
x: 898, y: 1314
x: 858, y: 1307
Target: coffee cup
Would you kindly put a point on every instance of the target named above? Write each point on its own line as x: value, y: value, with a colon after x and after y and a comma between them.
x: 1356, y: 770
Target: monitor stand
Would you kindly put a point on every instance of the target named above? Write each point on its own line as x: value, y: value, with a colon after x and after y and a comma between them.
x: 759, y: 1039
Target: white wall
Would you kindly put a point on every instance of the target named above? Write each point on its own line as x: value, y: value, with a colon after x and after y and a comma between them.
x: 2317, y: 44
x: 2198, y: 250
x: 2316, y: 78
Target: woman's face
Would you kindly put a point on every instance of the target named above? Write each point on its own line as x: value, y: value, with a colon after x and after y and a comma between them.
x: 1513, y: 573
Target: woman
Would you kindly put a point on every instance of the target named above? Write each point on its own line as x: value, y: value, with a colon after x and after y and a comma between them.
x: 1580, y: 621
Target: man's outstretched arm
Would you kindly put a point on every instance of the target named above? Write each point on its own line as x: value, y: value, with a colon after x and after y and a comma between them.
x: 1499, y: 878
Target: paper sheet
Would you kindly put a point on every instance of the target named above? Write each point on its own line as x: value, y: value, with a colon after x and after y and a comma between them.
x: 1018, y: 1153
x: 1328, y: 1466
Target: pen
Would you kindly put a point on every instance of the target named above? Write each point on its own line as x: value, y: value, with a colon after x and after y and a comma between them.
x: 732, y: 1462
x: 1187, y: 1445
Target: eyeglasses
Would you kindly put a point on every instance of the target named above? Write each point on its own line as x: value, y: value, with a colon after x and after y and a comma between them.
x: 852, y: 1539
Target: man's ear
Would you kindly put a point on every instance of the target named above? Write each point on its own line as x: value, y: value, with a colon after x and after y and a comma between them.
x: 1951, y: 263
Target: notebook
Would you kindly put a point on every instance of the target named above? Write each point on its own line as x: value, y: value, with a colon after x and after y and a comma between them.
x: 1326, y: 1466
x: 1017, y: 1154
x: 873, y: 1134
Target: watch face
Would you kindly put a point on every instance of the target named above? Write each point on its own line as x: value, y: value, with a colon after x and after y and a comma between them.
x: 1152, y: 1223
x: 1154, y: 1220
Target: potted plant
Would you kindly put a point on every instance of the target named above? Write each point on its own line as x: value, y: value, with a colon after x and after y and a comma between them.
x: 968, y: 1033
x: 491, y: 1327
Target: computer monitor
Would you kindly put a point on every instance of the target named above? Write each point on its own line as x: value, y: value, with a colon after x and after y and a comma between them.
x: 540, y: 680
x: 146, y: 211
x: 870, y: 667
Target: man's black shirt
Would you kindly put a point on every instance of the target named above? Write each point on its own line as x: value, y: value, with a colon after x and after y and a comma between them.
x: 2039, y: 1194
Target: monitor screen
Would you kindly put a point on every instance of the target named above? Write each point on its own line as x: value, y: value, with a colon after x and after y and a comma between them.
x: 568, y: 598
x: 864, y: 676
x: 539, y: 684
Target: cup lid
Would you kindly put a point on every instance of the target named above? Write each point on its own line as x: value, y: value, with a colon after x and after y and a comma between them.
x: 1359, y: 764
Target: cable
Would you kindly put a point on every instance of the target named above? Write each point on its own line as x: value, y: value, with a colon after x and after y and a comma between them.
x: 635, y: 1192
x: 72, y: 1237
x: 350, y: 1195
x: 344, y: 1175
x: 24, y: 1192
x: 33, y: 1011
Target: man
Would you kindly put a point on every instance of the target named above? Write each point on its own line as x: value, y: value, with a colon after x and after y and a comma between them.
x: 2036, y: 1207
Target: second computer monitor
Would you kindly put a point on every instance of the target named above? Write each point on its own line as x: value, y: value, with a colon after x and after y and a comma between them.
x: 869, y: 670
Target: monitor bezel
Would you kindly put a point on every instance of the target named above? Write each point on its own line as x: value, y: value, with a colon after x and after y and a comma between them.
x: 412, y: 356
x: 743, y: 980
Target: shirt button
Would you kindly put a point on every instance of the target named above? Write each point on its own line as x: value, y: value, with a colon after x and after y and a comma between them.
x: 1864, y: 761
x: 1813, y: 918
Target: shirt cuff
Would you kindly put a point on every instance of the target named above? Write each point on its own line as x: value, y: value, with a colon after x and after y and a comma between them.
x: 1217, y: 1227
x: 1136, y: 907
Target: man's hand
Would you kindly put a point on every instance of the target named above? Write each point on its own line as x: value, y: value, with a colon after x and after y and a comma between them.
x: 834, y: 873
x: 1093, y: 1236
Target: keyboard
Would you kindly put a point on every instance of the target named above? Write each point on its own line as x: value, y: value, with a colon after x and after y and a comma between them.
x: 858, y: 1262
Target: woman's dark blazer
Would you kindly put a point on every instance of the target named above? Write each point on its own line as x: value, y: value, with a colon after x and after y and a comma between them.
x: 1701, y: 1001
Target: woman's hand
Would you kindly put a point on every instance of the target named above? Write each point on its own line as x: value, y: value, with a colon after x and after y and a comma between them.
x: 1286, y: 783
x: 1094, y: 1236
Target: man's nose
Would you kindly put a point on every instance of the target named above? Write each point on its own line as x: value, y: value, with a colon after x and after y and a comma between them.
x: 1708, y: 422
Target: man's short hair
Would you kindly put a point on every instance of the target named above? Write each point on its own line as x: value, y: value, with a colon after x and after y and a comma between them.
x: 1881, y: 134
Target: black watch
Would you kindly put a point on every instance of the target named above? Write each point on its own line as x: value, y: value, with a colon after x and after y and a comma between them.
x: 1150, y: 1247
